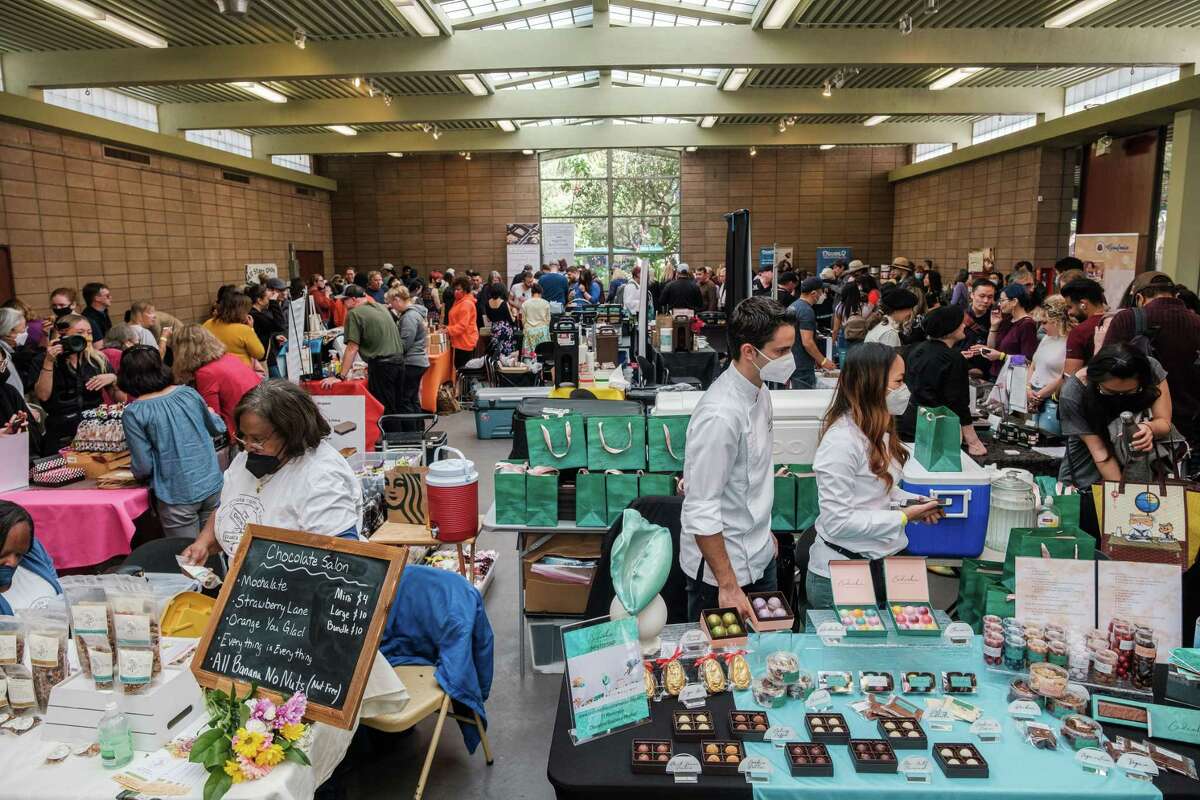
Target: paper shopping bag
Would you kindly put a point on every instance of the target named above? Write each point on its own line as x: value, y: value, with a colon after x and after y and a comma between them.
x: 590, y: 503
x: 541, y: 497
x: 666, y: 440
x: 1145, y: 522
x: 509, y: 484
x: 556, y: 441
x: 938, y: 446
x: 621, y: 489
x: 783, y: 507
x: 616, y: 442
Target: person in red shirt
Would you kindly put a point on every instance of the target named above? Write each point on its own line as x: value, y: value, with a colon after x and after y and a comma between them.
x: 316, y: 289
x: 462, y: 327
x: 1088, y: 308
x: 221, y: 378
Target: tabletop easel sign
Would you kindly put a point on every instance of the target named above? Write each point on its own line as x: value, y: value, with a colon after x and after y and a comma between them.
x: 300, y: 612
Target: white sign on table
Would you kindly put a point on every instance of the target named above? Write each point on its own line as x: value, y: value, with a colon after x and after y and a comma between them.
x: 1052, y: 590
x: 1144, y: 594
x: 521, y: 255
x: 347, y: 417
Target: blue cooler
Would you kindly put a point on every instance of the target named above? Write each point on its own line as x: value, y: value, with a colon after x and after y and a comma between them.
x: 962, y: 533
x: 494, y: 409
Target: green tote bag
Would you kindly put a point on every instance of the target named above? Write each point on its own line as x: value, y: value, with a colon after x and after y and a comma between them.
x: 590, y: 503
x: 938, y: 446
x: 509, y: 483
x: 556, y: 442
x: 616, y: 442
x: 621, y: 489
x: 652, y: 485
x: 541, y: 497
x: 1062, y: 542
x: 666, y: 438
x: 807, y: 505
x: 783, y: 508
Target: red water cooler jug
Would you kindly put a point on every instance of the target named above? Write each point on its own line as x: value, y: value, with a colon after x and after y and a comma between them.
x: 453, y: 496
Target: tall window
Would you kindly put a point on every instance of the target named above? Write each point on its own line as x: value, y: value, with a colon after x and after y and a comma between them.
x: 624, y: 204
x: 222, y: 139
x: 107, y: 104
x: 300, y: 163
x: 924, y: 152
x: 1000, y: 125
x: 1117, y: 84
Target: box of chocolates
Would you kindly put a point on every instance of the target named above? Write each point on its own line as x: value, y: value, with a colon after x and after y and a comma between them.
x: 771, y: 612
x: 827, y: 728
x: 876, y: 682
x: 721, y: 758
x: 809, y: 759
x: 959, y: 682
x: 836, y: 681
x: 749, y: 726
x: 723, y: 627
x: 854, y: 598
x: 918, y: 682
x: 907, y: 586
x: 651, y: 755
x: 903, y: 734
x: 961, y: 760
x: 692, y: 726
x: 872, y: 755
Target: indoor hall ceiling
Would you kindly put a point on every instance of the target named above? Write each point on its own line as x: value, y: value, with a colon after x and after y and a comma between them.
x: 996, y: 13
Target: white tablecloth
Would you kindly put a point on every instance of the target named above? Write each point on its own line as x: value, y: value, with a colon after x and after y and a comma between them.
x: 27, y: 776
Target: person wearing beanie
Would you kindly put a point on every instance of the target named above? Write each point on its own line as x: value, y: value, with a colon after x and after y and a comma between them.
x: 936, y: 375
x: 895, y: 308
x: 1013, y: 331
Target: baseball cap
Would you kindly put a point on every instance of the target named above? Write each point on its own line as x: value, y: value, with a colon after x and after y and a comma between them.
x: 1149, y: 277
x: 276, y: 283
x: 811, y: 285
x: 353, y: 290
x: 827, y: 274
x: 684, y: 269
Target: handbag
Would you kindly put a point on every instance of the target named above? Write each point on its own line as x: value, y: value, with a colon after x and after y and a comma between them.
x: 1047, y: 419
x: 666, y: 441
x: 1146, y: 522
x: 1061, y: 542
x: 938, y: 446
x: 783, y: 506
x: 591, y: 509
x: 556, y: 441
x: 616, y: 442
x: 541, y: 497
x: 621, y: 489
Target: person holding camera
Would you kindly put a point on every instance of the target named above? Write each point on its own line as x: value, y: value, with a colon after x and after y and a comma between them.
x: 72, y: 380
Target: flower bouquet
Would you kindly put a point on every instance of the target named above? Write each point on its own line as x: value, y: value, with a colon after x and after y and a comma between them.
x: 247, y: 738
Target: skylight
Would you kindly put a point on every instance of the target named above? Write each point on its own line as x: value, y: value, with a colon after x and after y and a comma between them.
x: 641, y: 18
x: 667, y: 79
x: 549, y: 82
x: 567, y: 18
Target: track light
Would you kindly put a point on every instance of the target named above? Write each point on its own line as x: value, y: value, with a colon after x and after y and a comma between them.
x: 344, y: 130
x: 906, y: 25
x: 871, y: 122
x: 299, y: 38
x: 827, y: 91
x: 753, y: 151
x: 233, y: 8
x: 396, y: 155
x: 436, y: 133
x: 790, y: 121
x: 370, y: 87
x: 387, y: 99
x: 782, y: 126
x: 357, y: 81
x: 468, y: 155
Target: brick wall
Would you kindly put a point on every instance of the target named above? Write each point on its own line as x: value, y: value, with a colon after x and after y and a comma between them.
x: 993, y: 202
x: 803, y: 197
x: 170, y: 232
x: 429, y: 211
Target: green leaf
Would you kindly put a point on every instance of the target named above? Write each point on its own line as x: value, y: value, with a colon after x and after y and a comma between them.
x: 217, y: 785
x: 243, y: 715
x: 297, y: 755
x: 203, y: 743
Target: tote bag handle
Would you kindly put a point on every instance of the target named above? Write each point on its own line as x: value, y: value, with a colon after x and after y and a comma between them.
x: 667, y: 440
x: 550, y: 447
x: 615, y: 450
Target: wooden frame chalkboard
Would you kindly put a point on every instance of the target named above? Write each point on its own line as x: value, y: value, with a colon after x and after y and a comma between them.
x: 252, y: 588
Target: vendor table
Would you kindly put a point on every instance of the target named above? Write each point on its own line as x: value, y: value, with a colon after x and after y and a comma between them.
x: 441, y: 370
x: 80, y: 525
x: 374, y: 408
x: 600, y: 769
x: 1011, y: 456
x: 699, y: 364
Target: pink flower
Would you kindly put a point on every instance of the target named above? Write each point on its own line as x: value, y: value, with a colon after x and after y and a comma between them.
x: 292, y: 710
x: 263, y: 709
x: 252, y: 771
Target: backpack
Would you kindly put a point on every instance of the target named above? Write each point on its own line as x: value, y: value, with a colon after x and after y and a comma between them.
x: 855, y: 328
x: 447, y: 403
x: 1144, y: 334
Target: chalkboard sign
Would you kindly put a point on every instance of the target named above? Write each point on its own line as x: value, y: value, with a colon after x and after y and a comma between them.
x: 301, y: 612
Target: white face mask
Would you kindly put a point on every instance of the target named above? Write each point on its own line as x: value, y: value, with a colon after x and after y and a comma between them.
x: 897, y: 400
x: 777, y: 370
x: 21, y: 338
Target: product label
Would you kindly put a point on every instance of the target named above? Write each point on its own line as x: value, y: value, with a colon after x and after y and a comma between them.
x: 1024, y: 709
x: 693, y: 695
x: 961, y: 682
x: 819, y: 700
x: 988, y: 730
x: 756, y: 769
x: 3, y: 692
x: 20, y: 693
x: 992, y: 652
x: 1102, y: 667
x: 1145, y: 652
x: 1095, y: 760
x: 1126, y: 644
x: 43, y: 650
x: 919, y: 682
x: 132, y: 629
x: 780, y: 735
x: 915, y: 769
x: 102, y: 664
x: 685, y: 767
x: 8, y: 648
x: 136, y: 666
x: 874, y: 683
x: 90, y: 619
x: 1135, y: 764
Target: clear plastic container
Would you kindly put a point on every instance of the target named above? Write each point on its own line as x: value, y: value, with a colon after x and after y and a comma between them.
x: 1014, y: 652
x: 1079, y: 731
x: 1145, y: 653
x: 1036, y: 650
x: 1104, y: 667
x: 115, y: 738
x: 1079, y: 663
x: 1048, y: 680
x: 993, y: 649
x: 1058, y: 653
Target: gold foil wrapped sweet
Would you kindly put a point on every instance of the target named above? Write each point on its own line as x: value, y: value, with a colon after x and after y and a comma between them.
x: 739, y: 672
x: 714, y: 676
x: 651, y: 683
x: 674, y: 678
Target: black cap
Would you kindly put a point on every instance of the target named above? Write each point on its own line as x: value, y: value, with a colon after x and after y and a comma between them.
x: 276, y: 283
x: 898, y: 299
x: 941, y: 322
x: 811, y: 285
x: 354, y: 290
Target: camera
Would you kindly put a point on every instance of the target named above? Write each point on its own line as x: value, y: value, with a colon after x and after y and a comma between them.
x: 73, y: 344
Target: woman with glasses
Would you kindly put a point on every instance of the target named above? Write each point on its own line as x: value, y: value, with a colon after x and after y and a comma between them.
x: 74, y: 378
x: 170, y: 433
x: 288, y: 475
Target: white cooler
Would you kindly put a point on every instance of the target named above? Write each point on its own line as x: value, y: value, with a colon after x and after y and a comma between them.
x: 962, y: 533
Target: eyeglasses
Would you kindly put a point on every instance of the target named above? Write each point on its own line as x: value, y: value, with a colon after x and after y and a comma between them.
x: 253, y: 442
x: 1111, y: 393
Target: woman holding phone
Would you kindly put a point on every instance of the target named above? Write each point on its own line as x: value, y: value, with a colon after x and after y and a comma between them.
x: 1013, y: 330
x: 858, y: 464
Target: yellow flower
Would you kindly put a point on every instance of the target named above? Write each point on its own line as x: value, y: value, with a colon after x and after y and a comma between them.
x: 270, y: 756
x: 292, y: 731
x: 247, y: 744
x: 234, y: 770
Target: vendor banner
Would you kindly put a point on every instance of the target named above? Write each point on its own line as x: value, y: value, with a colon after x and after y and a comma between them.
x: 1110, y: 259
x: 523, y: 241
x: 782, y: 259
x: 605, y: 677
x: 347, y: 418
x: 828, y: 256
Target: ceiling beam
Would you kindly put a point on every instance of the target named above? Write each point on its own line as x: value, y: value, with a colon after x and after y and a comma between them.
x: 573, y: 49
x: 699, y: 12
x: 684, y: 101
x: 552, y: 138
x: 520, y: 12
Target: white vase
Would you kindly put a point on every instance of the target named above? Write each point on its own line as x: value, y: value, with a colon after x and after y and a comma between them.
x: 650, y: 620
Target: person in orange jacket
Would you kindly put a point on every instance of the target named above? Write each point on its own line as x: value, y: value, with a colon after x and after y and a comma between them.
x: 463, y: 329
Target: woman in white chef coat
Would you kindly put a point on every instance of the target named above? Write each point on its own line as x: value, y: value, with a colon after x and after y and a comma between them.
x: 858, y: 465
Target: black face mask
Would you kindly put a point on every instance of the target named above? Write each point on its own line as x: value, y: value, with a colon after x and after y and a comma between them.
x: 59, y: 313
x: 1115, y: 404
x: 260, y: 464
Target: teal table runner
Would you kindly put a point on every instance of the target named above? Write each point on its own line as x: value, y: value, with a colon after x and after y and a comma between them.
x: 1017, y: 770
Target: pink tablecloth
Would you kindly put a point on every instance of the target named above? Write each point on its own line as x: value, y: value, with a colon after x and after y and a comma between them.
x: 82, y: 527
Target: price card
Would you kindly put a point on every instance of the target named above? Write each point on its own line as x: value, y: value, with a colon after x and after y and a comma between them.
x: 831, y: 633
x: 988, y: 730
x: 938, y: 718
x: 1138, y: 768
x: 1094, y: 761
x: 874, y: 683
x: 819, y: 700
x: 756, y: 769
x: 958, y: 633
x: 780, y: 735
x: 693, y: 696
x: 1024, y: 709
x: 684, y: 767
x: 915, y: 769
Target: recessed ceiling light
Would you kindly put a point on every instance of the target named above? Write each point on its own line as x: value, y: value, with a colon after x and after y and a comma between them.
x: 473, y: 84
x: 736, y: 78
x: 396, y: 155
x: 527, y: 152
x: 102, y: 19
x: 416, y: 16
x: 780, y: 13
x: 954, y: 76
x: 871, y: 122
x: 1077, y: 12
x: 344, y: 130
x: 708, y: 122
x: 753, y: 151
x: 828, y: 146
x: 258, y: 90
x: 690, y: 149
x: 506, y: 125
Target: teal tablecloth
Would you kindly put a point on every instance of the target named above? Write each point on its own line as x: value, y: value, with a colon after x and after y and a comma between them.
x: 1018, y: 770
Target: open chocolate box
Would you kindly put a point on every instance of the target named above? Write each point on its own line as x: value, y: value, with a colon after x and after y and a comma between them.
x: 809, y: 759
x: 962, y: 760
x: 872, y: 755
x: 721, y: 758
x: 749, y: 726
x: 650, y: 755
x: 693, y: 725
x: 903, y: 734
x: 723, y: 627
x: 827, y: 728
x: 907, y: 585
x: 854, y: 598
x: 771, y: 612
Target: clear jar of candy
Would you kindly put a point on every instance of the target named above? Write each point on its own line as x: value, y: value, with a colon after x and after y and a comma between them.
x: 1014, y: 653
x: 1057, y: 652
x: 1145, y: 652
x: 1122, y: 637
x: 1079, y: 663
x: 1097, y: 640
x: 1036, y: 650
x: 993, y: 648
x: 1104, y: 667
